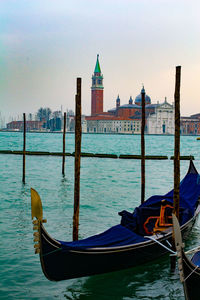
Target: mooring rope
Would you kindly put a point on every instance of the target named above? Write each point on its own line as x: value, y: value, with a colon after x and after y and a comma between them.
x: 190, y: 273
x: 153, y: 239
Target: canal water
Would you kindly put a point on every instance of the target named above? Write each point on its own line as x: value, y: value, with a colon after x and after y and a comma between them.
x: 107, y: 187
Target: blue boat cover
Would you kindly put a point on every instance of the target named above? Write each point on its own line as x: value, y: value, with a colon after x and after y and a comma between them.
x: 115, y: 236
x: 189, y: 193
x: 196, y: 258
x: 131, y: 230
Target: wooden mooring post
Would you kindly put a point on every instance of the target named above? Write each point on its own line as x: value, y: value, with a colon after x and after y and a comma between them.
x: 24, y: 148
x: 177, y: 143
x: 77, y: 161
x: 143, y: 148
x: 176, y: 198
x: 64, y: 132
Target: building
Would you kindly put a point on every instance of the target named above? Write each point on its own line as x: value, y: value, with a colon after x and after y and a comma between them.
x: 97, y: 90
x: 162, y: 120
x: 190, y: 125
x: 126, y: 118
x: 30, y: 125
x: 114, y: 125
x: 70, y: 121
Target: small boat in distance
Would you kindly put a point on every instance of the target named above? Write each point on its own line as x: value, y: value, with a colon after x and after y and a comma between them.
x: 142, y: 236
x: 189, y: 268
x: 198, y: 138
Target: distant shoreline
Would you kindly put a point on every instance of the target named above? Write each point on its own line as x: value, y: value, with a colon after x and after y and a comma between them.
x: 100, y: 133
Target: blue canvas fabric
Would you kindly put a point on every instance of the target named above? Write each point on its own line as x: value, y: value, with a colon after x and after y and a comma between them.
x: 131, y: 229
x: 196, y: 259
x: 189, y: 194
x: 136, y: 220
x: 115, y: 236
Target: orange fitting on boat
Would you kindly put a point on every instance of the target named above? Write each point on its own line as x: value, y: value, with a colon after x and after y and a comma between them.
x: 147, y: 221
x: 163, y: 218
x: 161, y: 222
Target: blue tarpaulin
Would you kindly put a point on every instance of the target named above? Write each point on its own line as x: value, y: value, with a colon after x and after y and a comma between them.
x: 189, y: 193
x: 131, y: 230
x: 115, y: 236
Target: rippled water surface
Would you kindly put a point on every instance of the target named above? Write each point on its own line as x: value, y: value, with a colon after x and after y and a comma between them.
x: 107, y: 187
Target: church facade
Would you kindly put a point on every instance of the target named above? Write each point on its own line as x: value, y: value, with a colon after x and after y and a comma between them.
x: 126, y: 118
x: 162, y: 120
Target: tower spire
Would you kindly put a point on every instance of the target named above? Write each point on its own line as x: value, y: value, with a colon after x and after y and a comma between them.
x: 97, y: 67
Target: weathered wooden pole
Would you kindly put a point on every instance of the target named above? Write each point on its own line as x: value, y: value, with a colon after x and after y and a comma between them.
x: 64, y: 131
x: 176, y: 198
x: 143, y: 148
x: 77, y: 161
x: 177, y: 142
x: 24, y: 148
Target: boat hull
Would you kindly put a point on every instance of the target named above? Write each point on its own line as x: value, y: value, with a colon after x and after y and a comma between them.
x: 59, y: 264
x: 191, y: 278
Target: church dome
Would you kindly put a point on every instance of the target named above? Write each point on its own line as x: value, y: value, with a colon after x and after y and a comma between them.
x: 138, y: 99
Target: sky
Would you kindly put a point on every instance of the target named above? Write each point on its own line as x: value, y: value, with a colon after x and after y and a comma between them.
x: 46, y: 44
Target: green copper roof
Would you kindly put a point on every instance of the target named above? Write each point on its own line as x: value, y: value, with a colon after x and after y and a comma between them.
x: 97, y: 67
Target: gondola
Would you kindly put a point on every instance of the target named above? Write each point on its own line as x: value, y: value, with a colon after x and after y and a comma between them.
x: 189, y: 269
x: 142, y: 236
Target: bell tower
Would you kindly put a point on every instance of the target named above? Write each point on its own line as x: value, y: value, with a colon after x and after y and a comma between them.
x: 97, y: 90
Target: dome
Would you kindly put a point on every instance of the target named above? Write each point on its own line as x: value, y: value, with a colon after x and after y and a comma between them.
x: 138, y: 99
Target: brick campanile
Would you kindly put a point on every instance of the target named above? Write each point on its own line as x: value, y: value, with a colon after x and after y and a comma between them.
x: 97, y: 90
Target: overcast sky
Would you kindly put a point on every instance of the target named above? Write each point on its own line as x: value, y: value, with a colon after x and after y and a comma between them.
x: 46, y: 44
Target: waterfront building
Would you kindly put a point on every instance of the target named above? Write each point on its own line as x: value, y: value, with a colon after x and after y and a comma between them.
x: 190, y: 125
x: 30, y: 125
x: 126, y: 118
x: 161, y: 121
x: 114, y: 125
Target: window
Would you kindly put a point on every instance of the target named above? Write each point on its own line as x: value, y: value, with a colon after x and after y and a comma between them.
x: 99, y: 81
x: 94, y: 81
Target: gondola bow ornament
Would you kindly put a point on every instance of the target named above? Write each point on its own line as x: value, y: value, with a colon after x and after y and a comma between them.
x: 37, y: 213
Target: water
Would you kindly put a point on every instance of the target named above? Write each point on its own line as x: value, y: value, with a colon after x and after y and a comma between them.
x: 107, y: 187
